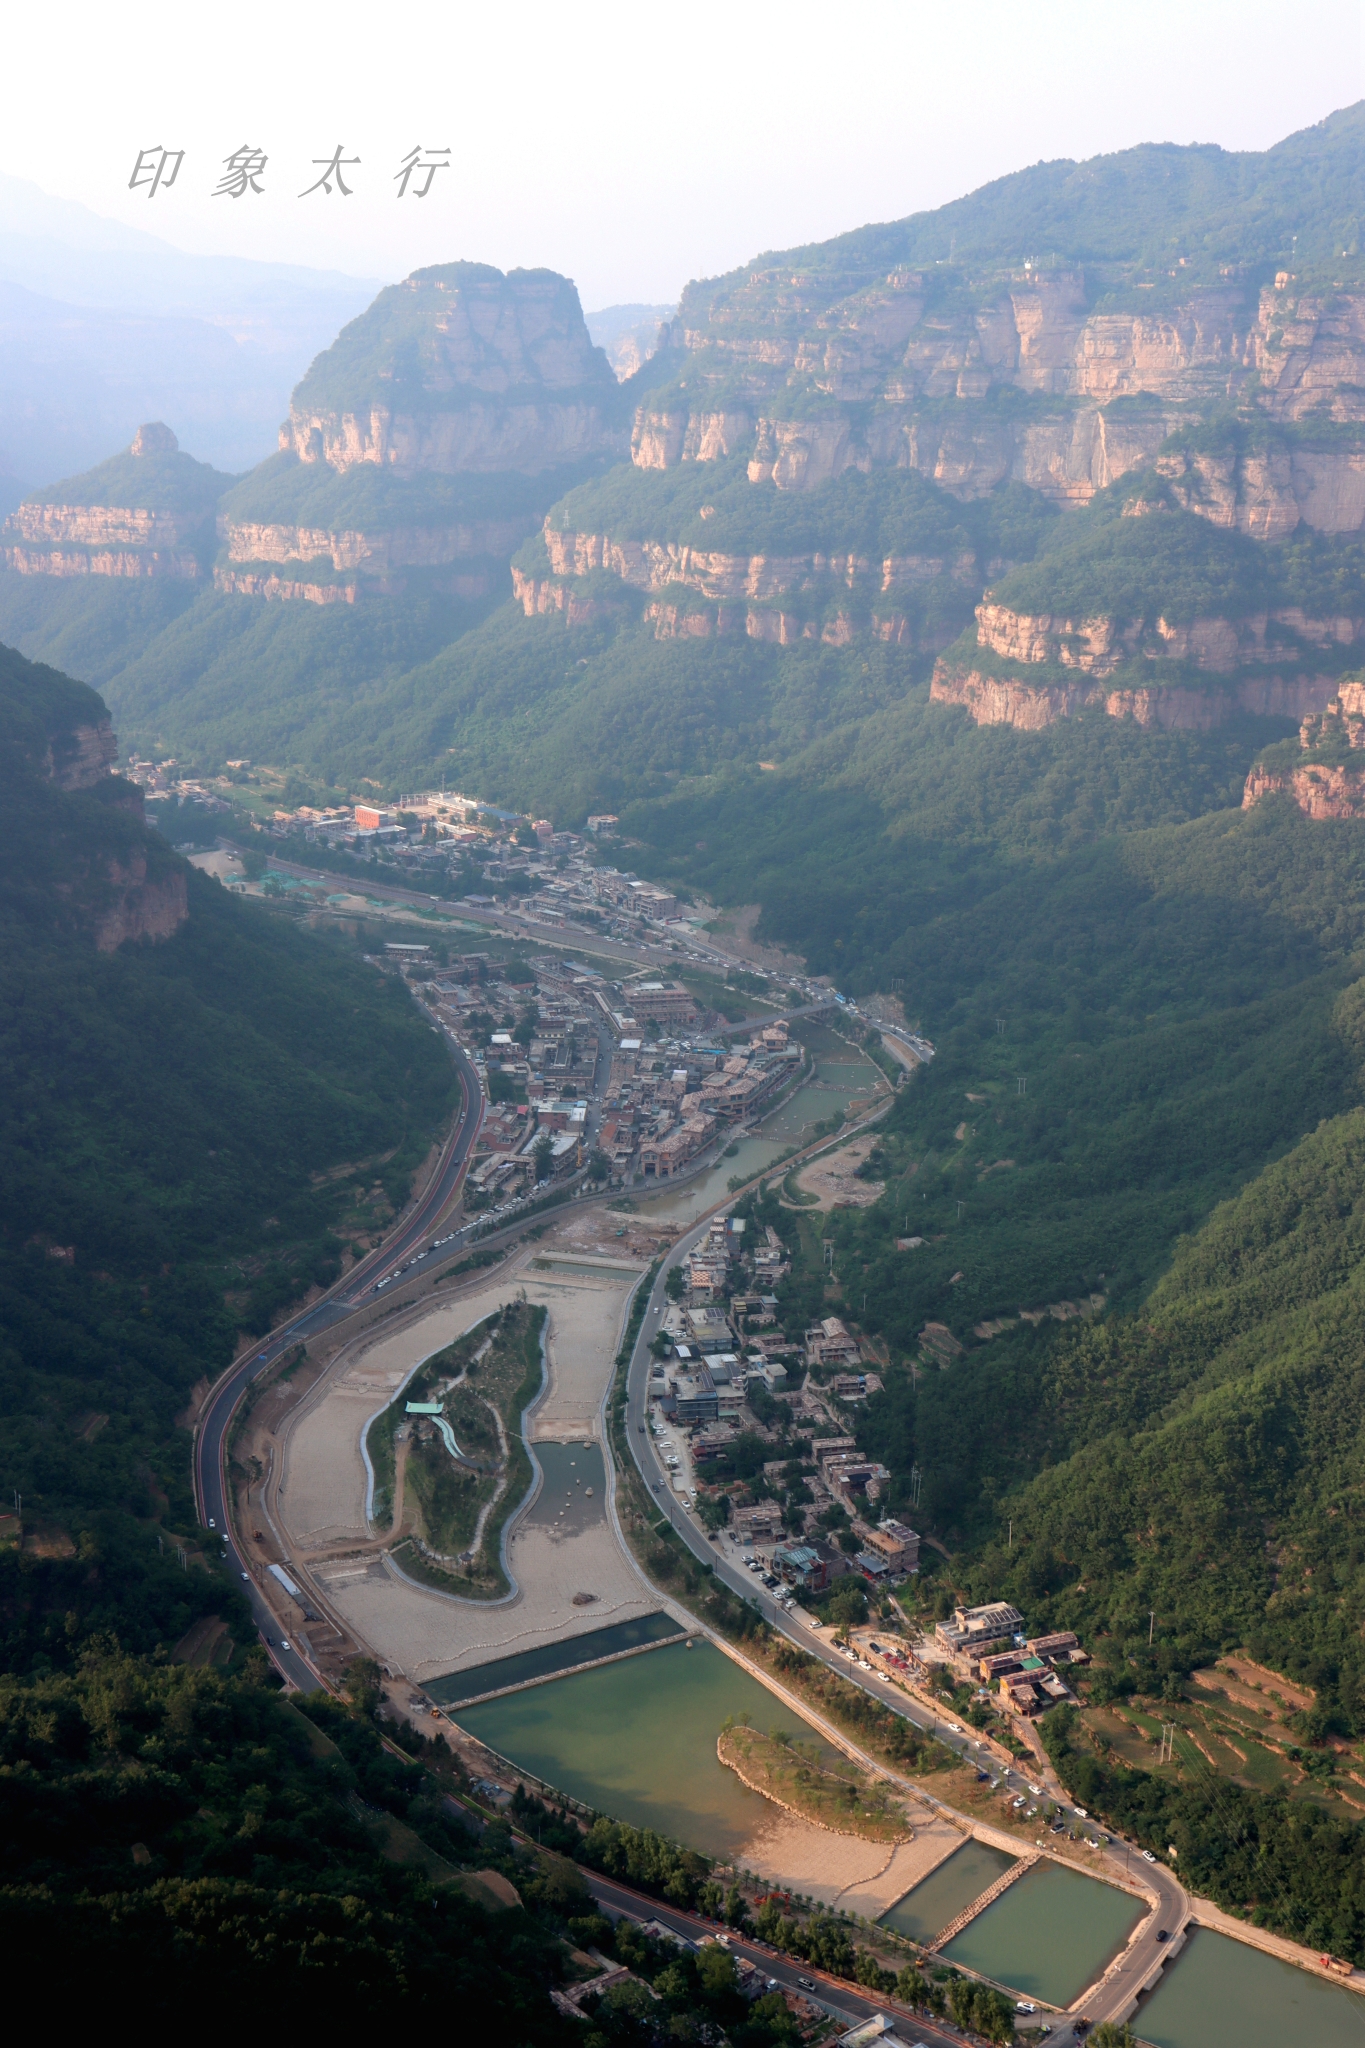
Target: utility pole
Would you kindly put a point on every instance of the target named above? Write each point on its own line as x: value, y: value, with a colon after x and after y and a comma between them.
x: 1151, y: 1627
x: 1011, y: 1541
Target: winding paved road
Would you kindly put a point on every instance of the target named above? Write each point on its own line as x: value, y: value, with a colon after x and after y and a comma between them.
x: 359, y: 1285
x: 835, y: 1994
x: 1124, y: 1860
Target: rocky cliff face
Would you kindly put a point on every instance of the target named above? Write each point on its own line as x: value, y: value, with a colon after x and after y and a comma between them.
x: 460, y: 371
x: 1319, y: 791
x: 1010, y: 700
x: 745, y: 592
x: 1099, y: 645
x: 827, y: 371
x: 82, y: 756
x: 136, y: 907
x: 402, y: 547
x: 1324, y: 787
x: 146, y: 514
x: 460, y: 368
x: 145, y: 563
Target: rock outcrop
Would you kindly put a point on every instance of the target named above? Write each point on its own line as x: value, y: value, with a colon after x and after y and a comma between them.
x: 839, y: 371
x: 1320, y: 791
x: 459, y: 372
x: 1099, y: 645
x: 81, y: 756
x: 145, y: 514
x: 459, y: 368
x: 1323, y: 787
x: 1011, y: 700
x: 374, y: 554
x: 140, y: 908
x: 179, y: 564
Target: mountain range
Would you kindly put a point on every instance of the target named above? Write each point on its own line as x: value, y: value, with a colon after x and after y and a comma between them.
x: 974, y: 603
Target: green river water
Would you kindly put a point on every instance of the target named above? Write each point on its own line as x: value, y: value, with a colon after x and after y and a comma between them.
x: 948, y: 1891
x: 1049, y: 1935
x: 1218, y: 1993
x: 637, y: 1740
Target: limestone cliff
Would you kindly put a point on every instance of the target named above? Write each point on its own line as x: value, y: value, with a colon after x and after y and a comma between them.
x: 1325, y: 782
x: 744, y: 593
x: 938, y: 346
x: 137, y: 905
x: 1099, y: 645
x: 80, y: 756
x: 147, y: 513
x: 89, y: 855
x: 1011, y: 700
x: 374, y: 553
x: 885, y: 376
x: 426, y: 443
x: 460, y: 367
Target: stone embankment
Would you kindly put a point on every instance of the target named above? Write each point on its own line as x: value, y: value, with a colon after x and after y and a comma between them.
x: 979, y: 1905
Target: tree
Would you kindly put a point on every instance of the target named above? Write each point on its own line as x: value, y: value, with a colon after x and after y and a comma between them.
x: 543, y: 1155
x: 675, y: 1286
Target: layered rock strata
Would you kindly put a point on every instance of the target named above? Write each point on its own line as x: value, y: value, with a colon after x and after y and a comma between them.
x: 825, y: 371
x: 460, y: 368
x: 138, y: 907
x: 45, y: 536
x: 1324, y: 788
x: 1009, y: 700
x: 1099, y: 645
x: 376, y: 554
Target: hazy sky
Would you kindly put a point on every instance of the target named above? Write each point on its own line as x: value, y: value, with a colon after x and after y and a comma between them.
x: 631, y: 146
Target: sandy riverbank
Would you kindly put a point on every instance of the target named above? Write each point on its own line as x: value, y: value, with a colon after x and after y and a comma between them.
x: 862, y: 1877
x: 321, y: 1501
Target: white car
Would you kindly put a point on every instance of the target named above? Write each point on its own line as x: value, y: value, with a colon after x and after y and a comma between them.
x: 1148, y: 1857
x: 284, y: 1645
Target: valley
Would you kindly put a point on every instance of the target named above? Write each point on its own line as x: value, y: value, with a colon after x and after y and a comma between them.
x: 684, y: 1098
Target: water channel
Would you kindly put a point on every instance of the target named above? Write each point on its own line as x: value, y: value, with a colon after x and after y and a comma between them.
x: 1050, y: 1934
x: 948, y: 1891
x: 637, y: 1740
x: 1218, y: 1993
x: 840, y: 1077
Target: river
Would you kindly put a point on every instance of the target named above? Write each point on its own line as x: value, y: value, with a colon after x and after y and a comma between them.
x: 840, y: 1077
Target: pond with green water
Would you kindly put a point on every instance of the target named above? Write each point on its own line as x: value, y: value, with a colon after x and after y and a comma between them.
x: 1050, y: 1935
x: 637, y: 1740
x: 1219, y: 1993
x: 947, y: 1891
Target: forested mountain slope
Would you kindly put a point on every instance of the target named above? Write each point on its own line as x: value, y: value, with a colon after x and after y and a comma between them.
x: 180, y: 1074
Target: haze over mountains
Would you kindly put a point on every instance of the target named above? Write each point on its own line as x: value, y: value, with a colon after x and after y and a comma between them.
x: 978, y: 601
x: 104, y: 326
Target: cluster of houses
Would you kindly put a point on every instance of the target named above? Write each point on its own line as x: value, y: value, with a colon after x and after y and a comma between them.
x: 539, y: 1074
x: 666, y: 1103
x: 990, y: 1645
x: 723, y: 1346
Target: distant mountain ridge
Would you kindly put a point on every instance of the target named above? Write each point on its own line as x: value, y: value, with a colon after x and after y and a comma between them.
x: 847, y: 447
